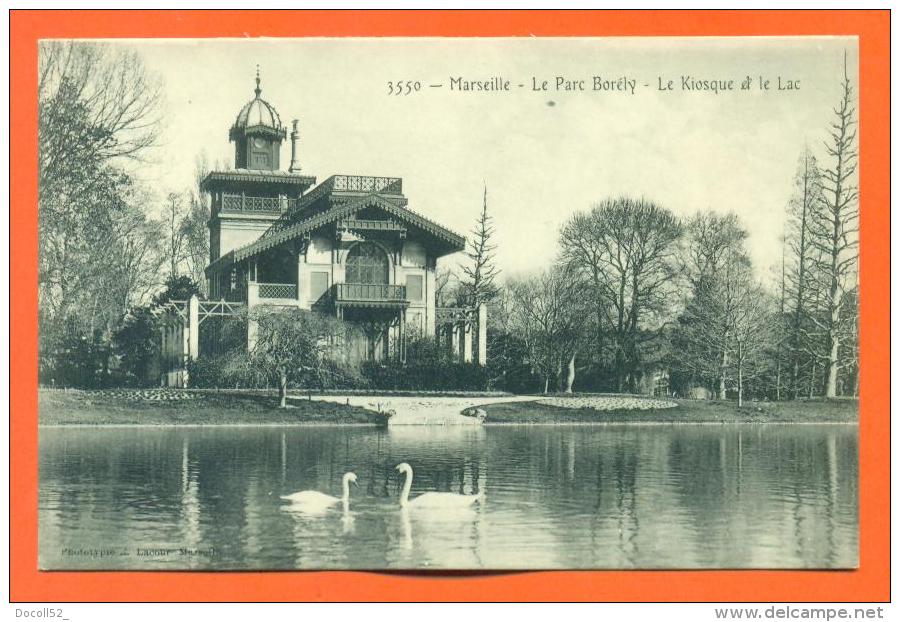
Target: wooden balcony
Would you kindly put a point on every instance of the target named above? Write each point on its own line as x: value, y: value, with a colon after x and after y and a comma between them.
x: 369, y: 294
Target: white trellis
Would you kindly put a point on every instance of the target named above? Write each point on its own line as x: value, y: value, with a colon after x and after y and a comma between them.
x: 180, y: 333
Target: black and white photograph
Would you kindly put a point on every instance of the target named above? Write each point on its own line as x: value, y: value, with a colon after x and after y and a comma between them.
x: 448, y: 303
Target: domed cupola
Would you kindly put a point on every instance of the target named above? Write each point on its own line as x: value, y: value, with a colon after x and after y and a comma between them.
x: 257, y: 134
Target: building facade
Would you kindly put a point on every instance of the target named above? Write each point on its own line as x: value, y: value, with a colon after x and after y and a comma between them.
x: 349, y: 246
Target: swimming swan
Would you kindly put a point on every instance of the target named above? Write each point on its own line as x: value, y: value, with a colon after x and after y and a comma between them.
x: 432, y: 499
x: 313, y: 500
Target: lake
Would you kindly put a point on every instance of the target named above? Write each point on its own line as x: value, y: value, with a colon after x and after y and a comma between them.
x: 617, y: 496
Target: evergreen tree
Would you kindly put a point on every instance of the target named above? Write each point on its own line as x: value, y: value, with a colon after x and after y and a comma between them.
x: 801, y: 282
x: 480, y: 275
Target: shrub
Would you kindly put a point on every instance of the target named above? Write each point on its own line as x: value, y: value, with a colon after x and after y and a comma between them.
x: 136, y: 345
x: 225, y: 371
x: 425, y: 376
x: 76, y: 361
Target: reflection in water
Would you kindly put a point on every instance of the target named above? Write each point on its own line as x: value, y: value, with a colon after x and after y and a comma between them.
x: 407, y: 528
x: 565, y: 497
x: 348, y: 522
x: 190, y: 505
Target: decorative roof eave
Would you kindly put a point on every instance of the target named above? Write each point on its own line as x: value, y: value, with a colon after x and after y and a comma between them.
x: 454, y: 241
x: 257, y: 129
x: 452, y: 238
x: 269, y: 177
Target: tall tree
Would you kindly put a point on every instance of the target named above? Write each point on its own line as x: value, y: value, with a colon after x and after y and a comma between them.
x: 800, y: 278
x: 176, y: 251
x: 753, y: 332
x: 195, y: 228
x: 725, y: 327
x: 546, y: 315
x: 481, y: 271
x: 713, y: 260
x: 835, y: 230
x: 447, y: 288
x: 625, y: 250
x: 95, y: 106
x: 97, y: 110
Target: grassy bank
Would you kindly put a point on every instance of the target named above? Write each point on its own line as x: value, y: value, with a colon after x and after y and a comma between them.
x: 176, y: 407
x: 685, y: 411
x: 187, y: 408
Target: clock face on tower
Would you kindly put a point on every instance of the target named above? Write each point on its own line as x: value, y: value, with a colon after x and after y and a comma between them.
x: 259, y: 143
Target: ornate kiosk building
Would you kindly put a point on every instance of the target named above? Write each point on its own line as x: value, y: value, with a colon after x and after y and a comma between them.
x: 350, y: 246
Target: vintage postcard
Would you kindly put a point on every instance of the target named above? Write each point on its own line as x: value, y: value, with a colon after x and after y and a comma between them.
x: 448, y: 304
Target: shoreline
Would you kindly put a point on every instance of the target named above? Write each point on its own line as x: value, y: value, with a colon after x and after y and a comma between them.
x: 86, y: 409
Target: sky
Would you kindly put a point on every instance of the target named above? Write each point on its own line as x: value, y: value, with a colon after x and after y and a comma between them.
x: 543, y: 154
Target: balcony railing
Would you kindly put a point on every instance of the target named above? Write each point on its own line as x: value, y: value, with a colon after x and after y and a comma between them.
x: 255, y: 205
x: 278, y: 290
x: 368, y: 292
x: 363, y: 183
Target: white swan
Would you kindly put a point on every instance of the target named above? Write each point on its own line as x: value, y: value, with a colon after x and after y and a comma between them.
x: 432, y: 499
x: 315, y: 501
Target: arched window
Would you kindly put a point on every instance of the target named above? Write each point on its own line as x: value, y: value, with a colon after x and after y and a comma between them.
x: 367, y: 263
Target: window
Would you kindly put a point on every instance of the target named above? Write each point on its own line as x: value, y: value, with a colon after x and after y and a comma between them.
x: 367, y: 263
x: 318, y: 285
x: 414, y: 287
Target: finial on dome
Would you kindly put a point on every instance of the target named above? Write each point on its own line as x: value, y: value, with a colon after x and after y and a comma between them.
x: 258, y: 90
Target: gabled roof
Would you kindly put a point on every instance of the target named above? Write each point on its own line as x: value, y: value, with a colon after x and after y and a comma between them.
x: 287, y: 228
x: 339, y: 189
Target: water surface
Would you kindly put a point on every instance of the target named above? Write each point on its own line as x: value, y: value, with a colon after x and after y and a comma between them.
x: 762, y: 496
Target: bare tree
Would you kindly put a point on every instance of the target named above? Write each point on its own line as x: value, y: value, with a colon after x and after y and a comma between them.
x: 447, y: 287
x: 545, y: 315
x: 175, y: 234
x: 752, y: 331
x: 626, y: 251
x: 713, y: 258
x: 194, y: 229
x: 116, y: 106
x: 711, y: 241
x: 835, y: 230
x: 97, y: 109
x: 706, y: 335
x: 128, y: 255
x: 724, y: 329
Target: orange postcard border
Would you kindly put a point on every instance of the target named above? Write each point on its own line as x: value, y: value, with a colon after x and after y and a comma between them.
x: 871, y: 582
